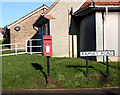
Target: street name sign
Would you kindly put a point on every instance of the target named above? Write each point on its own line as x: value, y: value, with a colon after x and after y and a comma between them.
x: 97, y: 53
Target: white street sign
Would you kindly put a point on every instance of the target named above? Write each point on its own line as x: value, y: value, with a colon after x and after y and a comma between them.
x: 97, y: 53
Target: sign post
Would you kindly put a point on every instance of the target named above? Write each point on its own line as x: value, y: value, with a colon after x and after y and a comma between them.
x: 97, y: 53
x: 107, y: 65
x: 47, y: 51
x: 86, y: 67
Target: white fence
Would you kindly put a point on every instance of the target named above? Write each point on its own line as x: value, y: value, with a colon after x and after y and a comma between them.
x: 32, y: 46
x: 23, y: 46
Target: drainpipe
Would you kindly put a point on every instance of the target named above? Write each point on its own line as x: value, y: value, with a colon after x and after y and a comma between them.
x: 104, y: 32
x: 35, y: 28
x: 42, y: 39
x: 68, y: 32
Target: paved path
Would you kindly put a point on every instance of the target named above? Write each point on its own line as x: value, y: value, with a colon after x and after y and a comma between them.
x: 98, y: 91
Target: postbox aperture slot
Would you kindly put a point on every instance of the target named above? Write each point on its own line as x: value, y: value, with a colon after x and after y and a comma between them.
x: 47, y: 39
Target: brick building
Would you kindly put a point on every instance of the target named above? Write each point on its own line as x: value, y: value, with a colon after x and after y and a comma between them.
x: 26, y: 27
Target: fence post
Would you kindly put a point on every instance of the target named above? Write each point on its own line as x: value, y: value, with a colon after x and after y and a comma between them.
x: 30, y: 46
x: 26, y: 46
x: 15, y: 48
x: 0, y: 49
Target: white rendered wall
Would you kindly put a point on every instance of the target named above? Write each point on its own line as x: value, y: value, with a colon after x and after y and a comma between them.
x: 111, y: 33
x: 59, y: 29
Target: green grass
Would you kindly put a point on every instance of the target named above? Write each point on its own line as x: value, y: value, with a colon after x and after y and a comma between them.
x: 29, y: 71
x: 10, y: 52
x: 0, y: 42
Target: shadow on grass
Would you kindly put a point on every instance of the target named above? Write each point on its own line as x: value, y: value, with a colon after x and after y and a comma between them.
x: 110, y: 65
x: 102, y: 79
x: 76, y: 67
x: 39, y: 67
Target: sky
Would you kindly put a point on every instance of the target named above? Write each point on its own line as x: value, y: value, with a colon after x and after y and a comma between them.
x: 10, y: 10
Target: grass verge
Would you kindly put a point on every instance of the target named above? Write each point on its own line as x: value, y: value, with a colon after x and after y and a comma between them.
x: 29, y: 72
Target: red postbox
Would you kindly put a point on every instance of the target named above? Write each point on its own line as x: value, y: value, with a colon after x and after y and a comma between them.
x: 47, y: 45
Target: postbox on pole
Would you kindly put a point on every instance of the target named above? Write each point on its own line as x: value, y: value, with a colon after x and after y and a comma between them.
x: 47, y: 51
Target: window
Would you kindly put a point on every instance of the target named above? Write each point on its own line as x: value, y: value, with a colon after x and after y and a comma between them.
x: 39, y: 31
x: 44, y: 28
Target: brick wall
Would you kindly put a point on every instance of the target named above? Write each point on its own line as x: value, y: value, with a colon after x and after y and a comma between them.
x: 26, y: 30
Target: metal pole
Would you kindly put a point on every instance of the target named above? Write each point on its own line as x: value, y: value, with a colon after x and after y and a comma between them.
x: 48, y: 70
x: 103, y: 35
x: 107, y: 65
x: 104, y: 31
x: 42, y: 39
x: 86, y: 67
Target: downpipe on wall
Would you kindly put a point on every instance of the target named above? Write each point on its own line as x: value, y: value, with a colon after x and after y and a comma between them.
x: 68, y: 32
x: 104, y: 15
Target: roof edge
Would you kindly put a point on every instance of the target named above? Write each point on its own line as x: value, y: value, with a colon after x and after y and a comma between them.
x: 97, y: 4
x: 91, y: 8
x: 79, y: 6
x: 52, y: 6
x: 43, y: 18
x: 26, y: 16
